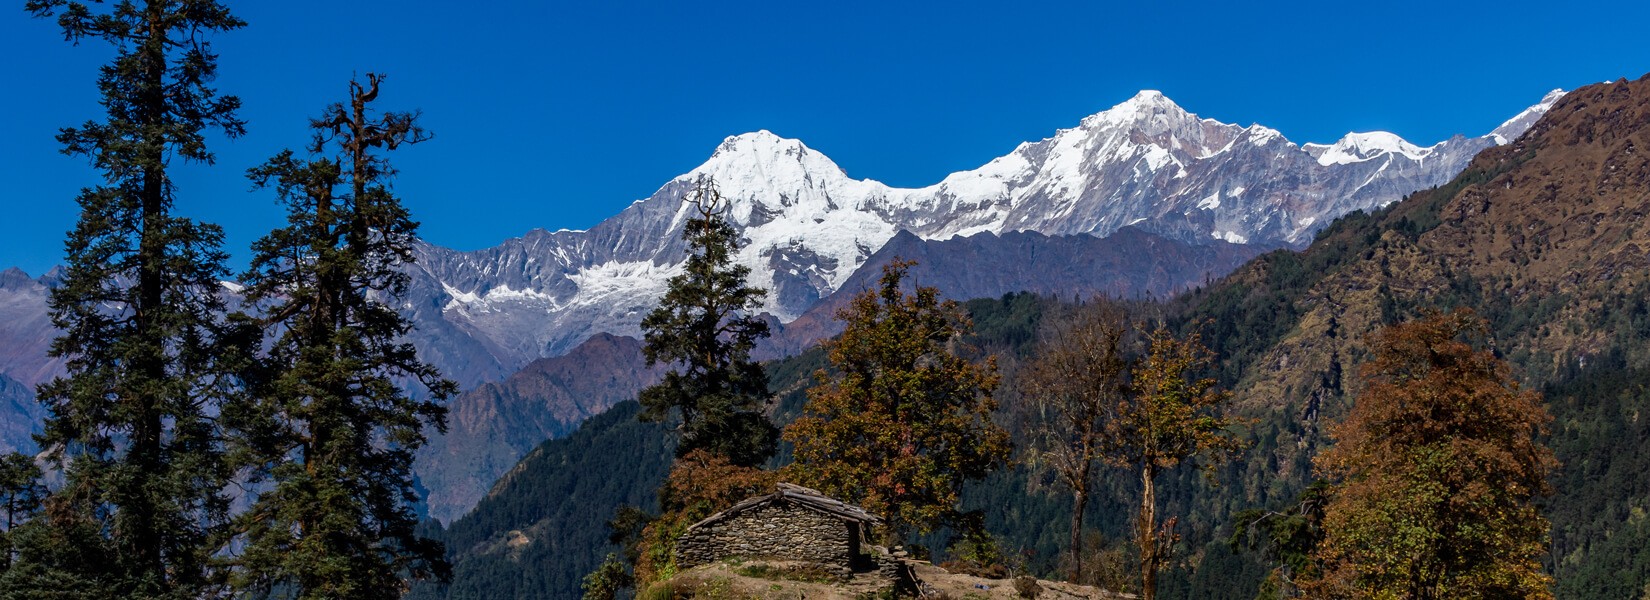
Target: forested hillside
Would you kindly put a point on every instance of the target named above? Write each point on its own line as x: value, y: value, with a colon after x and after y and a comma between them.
x: 1546, y: 239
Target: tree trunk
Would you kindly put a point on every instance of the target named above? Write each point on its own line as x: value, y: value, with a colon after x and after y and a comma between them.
x: 1080, y: 501
x: 139, y: 529
x: 1149, y: 558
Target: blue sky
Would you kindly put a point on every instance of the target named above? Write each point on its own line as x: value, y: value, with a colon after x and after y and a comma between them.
x: 559, y: 114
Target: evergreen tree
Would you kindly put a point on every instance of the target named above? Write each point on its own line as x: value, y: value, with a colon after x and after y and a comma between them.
x: 132, y: 422
x: 905, y: 421
x: 21, y: 494
x: 328, y: 429
x: 704, y: 328
x: 1435, y: 473
x: 1287, y: 538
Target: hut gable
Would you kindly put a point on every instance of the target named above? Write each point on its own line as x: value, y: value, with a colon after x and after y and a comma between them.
x: 794, y: 523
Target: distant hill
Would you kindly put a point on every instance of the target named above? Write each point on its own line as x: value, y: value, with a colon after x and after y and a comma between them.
x: 1546, y: 237
x: 491, y: 427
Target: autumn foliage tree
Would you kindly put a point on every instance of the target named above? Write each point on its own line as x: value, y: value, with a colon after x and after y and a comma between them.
x: 1169, y: 417
x: 1435, y: 472
x: 1077, y: 379
x: 700, y: 484
x: 905, y: 420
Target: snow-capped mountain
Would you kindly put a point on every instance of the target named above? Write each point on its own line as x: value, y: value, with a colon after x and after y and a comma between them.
x: 808, y: 226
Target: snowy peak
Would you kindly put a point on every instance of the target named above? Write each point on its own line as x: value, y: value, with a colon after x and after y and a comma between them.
x: 1359, y: 147
x: 1517, y: 125
x: 763, y: 166
x: 15, y: 278
x: 763, y: 151
x: 1149, y: 112
x: 759, y: 142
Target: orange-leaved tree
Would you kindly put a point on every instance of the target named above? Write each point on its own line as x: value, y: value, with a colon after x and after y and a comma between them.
x: 1435, y: 472
x: 1170, y: 417
x: 699, y: 484
x: 905, y: 420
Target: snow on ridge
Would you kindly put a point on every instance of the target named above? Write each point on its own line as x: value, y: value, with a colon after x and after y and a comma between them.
x: 1542, y: 107
x: 624, y: 279
x: 1359, y: 147
x: 1212, y: 202
x: 1514, y: 127
x: 484, y: 301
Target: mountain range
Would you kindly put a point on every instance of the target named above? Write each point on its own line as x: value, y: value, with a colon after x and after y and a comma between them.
x: 1143, y: 199
x: 807, y: 226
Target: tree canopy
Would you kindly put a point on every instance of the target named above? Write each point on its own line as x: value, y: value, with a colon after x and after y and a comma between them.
x: 1077, y: 379
x: 905, y: 420
x: 328, y: 424
x: 1435, y: 472
x: 1169, y: 417
x: 705, y: 329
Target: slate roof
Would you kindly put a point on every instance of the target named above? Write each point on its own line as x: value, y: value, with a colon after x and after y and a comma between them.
x: 806, y: 497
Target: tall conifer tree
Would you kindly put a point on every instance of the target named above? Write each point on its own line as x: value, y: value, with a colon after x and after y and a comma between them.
x: 704, y: 328
x: 21, y: 493
x: 329, y: 430
x: 131, y: 423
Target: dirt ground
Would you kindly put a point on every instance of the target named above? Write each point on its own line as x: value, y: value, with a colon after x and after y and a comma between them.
x: 773, y: 581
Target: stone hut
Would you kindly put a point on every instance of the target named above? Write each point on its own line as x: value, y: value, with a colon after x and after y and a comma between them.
x: 793, y: 524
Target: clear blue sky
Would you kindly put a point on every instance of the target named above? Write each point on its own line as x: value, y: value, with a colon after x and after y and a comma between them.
x: 559, y: 114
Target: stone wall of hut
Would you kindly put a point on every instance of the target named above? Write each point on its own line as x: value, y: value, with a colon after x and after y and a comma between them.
x: 778, y: 531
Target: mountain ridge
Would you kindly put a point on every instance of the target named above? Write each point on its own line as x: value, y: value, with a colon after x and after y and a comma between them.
x: 807, y: 226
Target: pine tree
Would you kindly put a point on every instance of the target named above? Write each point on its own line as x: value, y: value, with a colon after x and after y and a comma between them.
x: 131, y: 423
x: 1435, y: 472
x: 21, y: 494
x: 704, y: 328
x: 329, y: 430
x: 1079, y: 375
x: 905, y: 421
